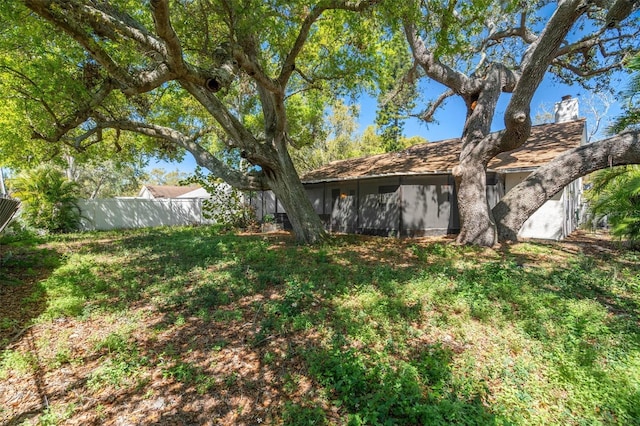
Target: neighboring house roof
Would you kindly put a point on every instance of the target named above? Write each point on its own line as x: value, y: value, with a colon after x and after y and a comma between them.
x: 545, y: 143
x: 166, y: 191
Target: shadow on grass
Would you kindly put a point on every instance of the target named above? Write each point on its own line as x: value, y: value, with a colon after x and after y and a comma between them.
x: 255, y: 302
x: 256, y: 328
x: 22, y: 296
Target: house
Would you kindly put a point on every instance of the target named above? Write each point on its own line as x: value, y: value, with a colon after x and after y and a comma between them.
x: 172, y: 191
x: 412, y: 192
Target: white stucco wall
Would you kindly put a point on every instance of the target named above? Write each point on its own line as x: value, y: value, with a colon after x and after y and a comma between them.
x: 548, y: 221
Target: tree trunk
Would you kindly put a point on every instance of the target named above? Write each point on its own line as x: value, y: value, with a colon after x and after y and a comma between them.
x: 476, y: 220
x: 286, y: 185
x: 478, y: 147
x: 524, y: 199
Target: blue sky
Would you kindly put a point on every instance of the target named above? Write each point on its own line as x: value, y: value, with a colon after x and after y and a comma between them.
x: 450, y: 119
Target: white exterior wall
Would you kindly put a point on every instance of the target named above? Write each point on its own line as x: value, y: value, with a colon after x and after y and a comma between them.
x: 199, y: 193
x: 548, y: 222
x: 123, y: 213
x: 145, y: 193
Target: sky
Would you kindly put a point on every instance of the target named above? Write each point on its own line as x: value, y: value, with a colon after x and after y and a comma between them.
x: 450, y: 119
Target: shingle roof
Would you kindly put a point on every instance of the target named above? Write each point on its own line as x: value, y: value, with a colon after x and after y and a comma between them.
x: 545, y: 143
x: 168, y: 191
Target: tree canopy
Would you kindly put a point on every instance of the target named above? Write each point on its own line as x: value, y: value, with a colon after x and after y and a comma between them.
x: 615, y: 191
x: 630, y: 117
x: 251, y: 76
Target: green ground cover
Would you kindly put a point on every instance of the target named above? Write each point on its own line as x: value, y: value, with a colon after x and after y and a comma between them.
x: 198, y: 326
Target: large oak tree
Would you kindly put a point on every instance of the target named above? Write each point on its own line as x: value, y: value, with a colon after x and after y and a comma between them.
x: 479, y: 50
x: 249, y: 77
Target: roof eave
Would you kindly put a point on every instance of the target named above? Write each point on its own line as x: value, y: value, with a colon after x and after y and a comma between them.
x: 416, y: 174
x: 386, y: 175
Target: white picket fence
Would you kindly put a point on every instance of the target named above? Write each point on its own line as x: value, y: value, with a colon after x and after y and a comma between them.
x: 126, y: 213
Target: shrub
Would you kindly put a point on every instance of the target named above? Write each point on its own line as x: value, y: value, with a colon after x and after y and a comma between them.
x: 615, y: 195
x: 49, y: 200
x: 227, y: 205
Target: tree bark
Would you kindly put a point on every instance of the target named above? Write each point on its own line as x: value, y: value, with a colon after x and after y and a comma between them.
x: 525, y: 198
x: 477, y: 224
x: 286, y: 185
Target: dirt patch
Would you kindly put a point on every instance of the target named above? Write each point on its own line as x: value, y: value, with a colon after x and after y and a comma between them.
x: 22, y: 297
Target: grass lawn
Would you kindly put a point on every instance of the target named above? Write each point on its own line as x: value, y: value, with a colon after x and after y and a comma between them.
x: 190, y: 326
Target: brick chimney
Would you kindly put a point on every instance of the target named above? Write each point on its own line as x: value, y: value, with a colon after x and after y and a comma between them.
x: 566, y: 109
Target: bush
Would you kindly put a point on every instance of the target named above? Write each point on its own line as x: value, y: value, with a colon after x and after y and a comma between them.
x: 49, y: 200
x: 227, y: 205
x: 615, y: 195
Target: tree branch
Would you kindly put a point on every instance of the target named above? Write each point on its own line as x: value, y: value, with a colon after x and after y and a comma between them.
x: 525, y: 198
x: 533, y: 68
x: 582, y: 72
x: 76, y: 143
x: 455, y: 80
x: 72, y: 17
x: 203, y: 157
x: 237, y: 132
x: 23, y: 92
x: 522, y: 32
x: 428, y: 114
x: 162, y: 21
x: 62, y: 128
x: 288, y: 66
x: 248, y: 63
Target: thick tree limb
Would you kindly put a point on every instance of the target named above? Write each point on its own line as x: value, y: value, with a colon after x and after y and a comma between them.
x: 250, y: 65
x: 525, y: 198
x: 288, y: 66
x: 477, y: 142
x: 619, y: 11
x: 72, y: 17
x: 172, y: 53
x: 203, y: 157
x: 533, y: 68
x: 162, y: 21
x: 434, y: 68
x: 237, y: 132
x: 104, y: 18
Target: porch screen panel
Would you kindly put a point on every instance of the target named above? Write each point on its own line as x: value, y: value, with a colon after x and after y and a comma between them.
x: 315, y: 194
x: 379, y: 206
x: 429, y: 205
x: 343, y: 201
